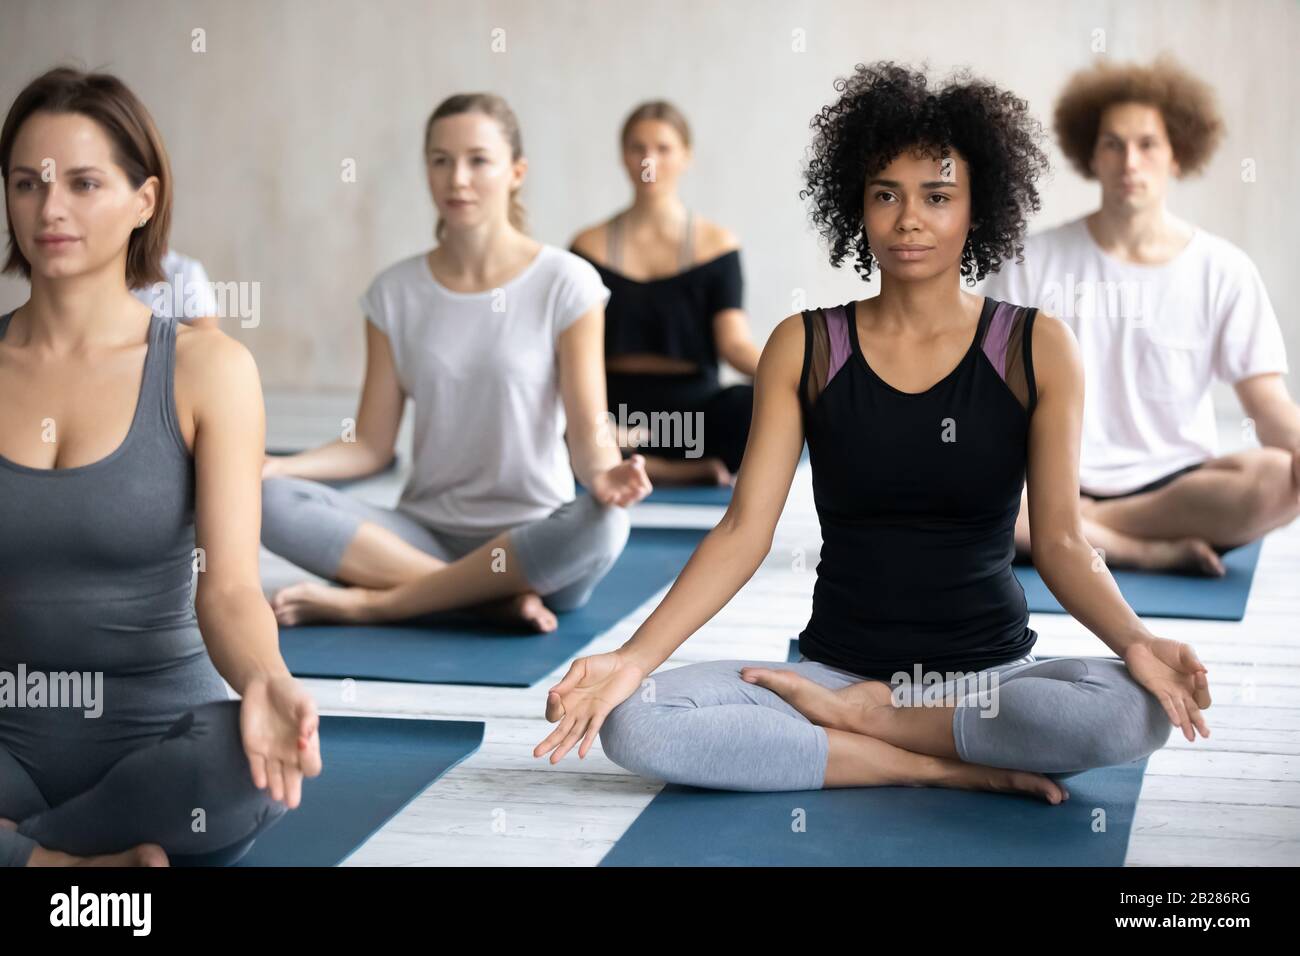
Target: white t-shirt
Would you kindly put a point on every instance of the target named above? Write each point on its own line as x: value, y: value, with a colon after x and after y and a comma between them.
x: 1153, y: 339
x: 484, y: 375
x: 186, y: 293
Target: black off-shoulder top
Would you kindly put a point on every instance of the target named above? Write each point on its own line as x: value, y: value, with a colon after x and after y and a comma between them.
x: 671, y: 315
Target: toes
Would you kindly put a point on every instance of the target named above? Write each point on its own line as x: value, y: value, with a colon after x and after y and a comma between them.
x: 1056, y: 792
x: 153, y: 855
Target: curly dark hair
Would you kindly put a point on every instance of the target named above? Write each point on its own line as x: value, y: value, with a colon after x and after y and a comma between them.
x: 1186, y: 104
x: 885, y: 109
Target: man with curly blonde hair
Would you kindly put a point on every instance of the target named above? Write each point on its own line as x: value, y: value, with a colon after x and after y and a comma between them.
x: 1160, y: 308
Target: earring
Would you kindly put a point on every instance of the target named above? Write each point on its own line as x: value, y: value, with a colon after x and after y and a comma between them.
x: 140, y: 224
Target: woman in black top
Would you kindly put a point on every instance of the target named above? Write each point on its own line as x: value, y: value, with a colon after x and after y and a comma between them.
x: 922, y: 408
x: 674, y: 310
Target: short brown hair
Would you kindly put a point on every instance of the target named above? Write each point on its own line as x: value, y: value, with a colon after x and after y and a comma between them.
x: 137, y: 148
x: 660, y: 110
x: 494, y: 107
x: 1186, y: 103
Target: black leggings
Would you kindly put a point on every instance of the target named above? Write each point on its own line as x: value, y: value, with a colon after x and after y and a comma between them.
x: 720, y: 428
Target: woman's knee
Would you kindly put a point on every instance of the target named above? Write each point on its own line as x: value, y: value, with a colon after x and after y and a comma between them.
x: 1137, y: 726
x: 604, y: 531
x: 582, y: 557
x: 214, y: 762
x: 623, y: 736
x: 281, y: 499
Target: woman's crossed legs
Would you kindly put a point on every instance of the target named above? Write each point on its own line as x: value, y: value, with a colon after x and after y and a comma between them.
x: 805, y: 726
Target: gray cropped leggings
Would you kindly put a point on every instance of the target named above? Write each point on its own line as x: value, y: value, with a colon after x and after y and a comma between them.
x: 563, y: 556
x: 702, y: 725
x: 149, y: 793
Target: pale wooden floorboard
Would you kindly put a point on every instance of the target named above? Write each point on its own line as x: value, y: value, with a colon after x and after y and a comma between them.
x: 1231, y: 800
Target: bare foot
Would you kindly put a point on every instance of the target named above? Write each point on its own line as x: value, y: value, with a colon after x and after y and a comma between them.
x: 668, y: 471
x: 1184, y: 554
x: 721, y: 476
x: 146, y: 854
x: 527, y: 608
x: 308, y: 601
x: 848, y: 708
x: 968, y: 776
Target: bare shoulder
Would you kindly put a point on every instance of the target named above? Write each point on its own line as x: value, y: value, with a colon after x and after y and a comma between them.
x: 1056, y: 353
x: 591, y: 242
x: 210, y: 362
x: 1052, y: 333
x: 714, y: 239
x: 782, y: 355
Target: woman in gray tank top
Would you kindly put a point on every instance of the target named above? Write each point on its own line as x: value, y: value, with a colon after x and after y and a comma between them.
x: 117, y: 739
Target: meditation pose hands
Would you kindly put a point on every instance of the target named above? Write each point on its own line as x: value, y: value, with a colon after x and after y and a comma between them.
x: 1175, y: 676
x: 624, y: 484
x: 279, y: 725
x: 593, y: 687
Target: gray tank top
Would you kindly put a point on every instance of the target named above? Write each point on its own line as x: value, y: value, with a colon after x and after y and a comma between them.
x: 96, y: 561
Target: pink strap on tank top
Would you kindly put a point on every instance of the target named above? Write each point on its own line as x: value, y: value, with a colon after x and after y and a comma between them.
x: 995, y: 338
x: 837, y: 329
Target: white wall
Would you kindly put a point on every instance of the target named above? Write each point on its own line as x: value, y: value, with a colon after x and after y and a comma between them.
x: 258, y: 125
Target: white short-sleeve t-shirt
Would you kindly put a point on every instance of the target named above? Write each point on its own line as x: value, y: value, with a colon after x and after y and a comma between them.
x: 1153, y: 339
x: 186, y: 292
x: 482, y: 369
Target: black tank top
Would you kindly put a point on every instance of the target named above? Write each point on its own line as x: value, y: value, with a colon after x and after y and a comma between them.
x: 917, y: 496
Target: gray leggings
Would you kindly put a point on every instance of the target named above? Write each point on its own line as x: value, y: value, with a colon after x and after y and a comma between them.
x: 149, y: 794
x: 704, y: 726
x: 563, y: 556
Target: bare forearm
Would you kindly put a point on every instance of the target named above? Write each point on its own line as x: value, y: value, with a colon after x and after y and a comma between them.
x: 1078, y: 578
x: 337, y: 460
x: 593, y: 450
x: 744, y: 358
x: 241, y: 635
x: 720, y: 566
x: 1280, y: 428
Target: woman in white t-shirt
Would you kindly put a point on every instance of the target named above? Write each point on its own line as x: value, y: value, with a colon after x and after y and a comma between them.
x: 498, y: 339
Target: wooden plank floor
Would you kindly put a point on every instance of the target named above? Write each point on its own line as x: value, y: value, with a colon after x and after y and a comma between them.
x: 1233, y: 799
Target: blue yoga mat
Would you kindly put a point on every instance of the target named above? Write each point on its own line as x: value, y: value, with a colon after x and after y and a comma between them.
x: 455, y: 649
x: 886, y: 826
x: 372, y: 768
x: 1168, y: 595
x: 689, y: 495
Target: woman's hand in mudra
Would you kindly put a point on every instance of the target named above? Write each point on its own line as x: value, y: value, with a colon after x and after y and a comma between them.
x: 280, y: 729
x: 593, y: 687
x: 1173, y: 673
x: 624, y: 484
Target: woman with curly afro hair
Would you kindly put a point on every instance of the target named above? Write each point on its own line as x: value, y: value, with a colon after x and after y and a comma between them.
x: 922, y: 407
x: 1161, y: 309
